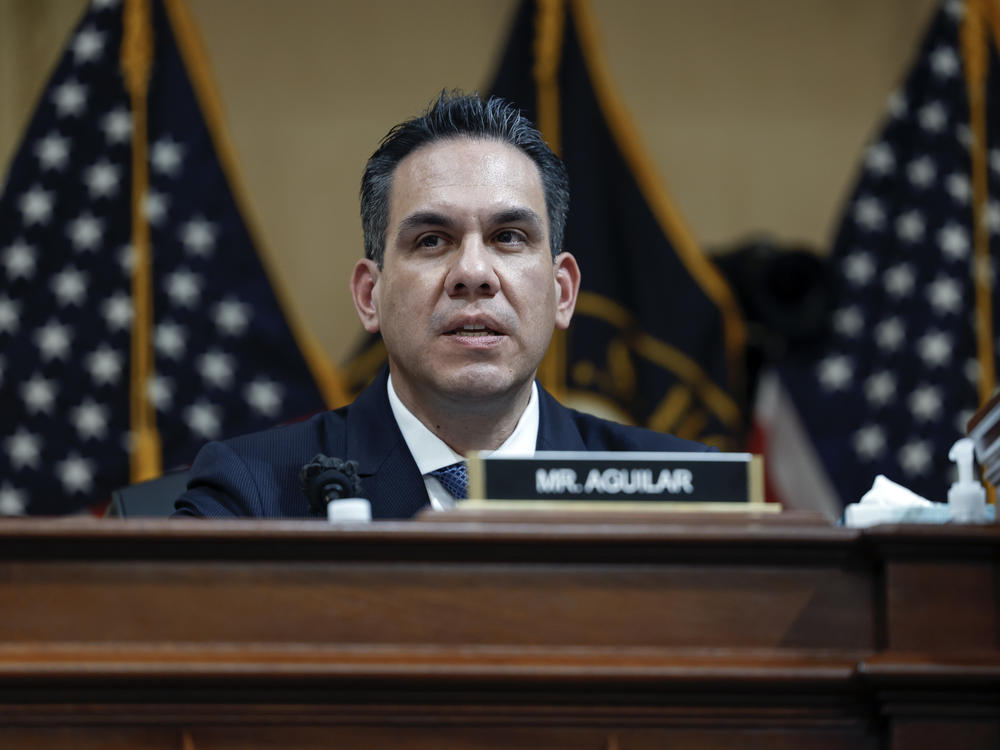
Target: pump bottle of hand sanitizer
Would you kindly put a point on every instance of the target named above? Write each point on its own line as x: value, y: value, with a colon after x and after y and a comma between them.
x: 966, y: 497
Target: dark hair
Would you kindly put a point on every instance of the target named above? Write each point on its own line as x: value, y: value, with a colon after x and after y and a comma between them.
x: 457, y: 115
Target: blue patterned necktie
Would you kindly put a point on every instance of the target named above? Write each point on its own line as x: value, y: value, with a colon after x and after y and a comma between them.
x: 454, y: 478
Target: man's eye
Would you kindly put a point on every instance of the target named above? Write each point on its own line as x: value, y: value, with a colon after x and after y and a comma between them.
x: 509, y: 237
x: 430, y: 240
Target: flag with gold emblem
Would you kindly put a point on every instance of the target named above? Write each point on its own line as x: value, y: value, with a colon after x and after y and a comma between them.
x: 657, y: 339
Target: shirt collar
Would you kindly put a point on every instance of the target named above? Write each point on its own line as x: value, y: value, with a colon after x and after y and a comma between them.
x: 430, y: 452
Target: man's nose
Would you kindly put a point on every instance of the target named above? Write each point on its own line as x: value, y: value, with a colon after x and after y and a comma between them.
x: 472, y: 270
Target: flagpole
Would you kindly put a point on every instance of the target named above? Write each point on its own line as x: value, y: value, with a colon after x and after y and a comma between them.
x: 550, y: 22
x: 975, y: 51
x: 145, y: 452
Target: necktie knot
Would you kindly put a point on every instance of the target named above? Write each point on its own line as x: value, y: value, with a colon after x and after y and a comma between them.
x: 454, y: 478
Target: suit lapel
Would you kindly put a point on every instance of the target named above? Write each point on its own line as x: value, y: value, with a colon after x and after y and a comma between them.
x: 389, y: 476
x: 556, y: 428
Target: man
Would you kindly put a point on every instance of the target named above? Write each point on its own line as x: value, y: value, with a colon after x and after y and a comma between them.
x: 464, y: 277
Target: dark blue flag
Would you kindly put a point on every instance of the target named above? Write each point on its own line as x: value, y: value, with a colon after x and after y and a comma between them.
x: 657, y: 338
x: 221, y: 356
x: 911, y: 353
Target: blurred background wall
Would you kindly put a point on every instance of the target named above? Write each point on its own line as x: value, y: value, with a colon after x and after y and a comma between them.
x: 754, y: 112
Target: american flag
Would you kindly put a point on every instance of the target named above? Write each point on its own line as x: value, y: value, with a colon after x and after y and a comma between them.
x: 892, y: 388
x: 226, y: 359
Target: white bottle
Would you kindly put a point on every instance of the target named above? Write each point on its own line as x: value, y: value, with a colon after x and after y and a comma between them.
x: 966, y: 497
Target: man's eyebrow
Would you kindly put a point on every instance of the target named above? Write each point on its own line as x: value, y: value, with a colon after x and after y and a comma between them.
x: 518, y: 216
x: 424, y: 219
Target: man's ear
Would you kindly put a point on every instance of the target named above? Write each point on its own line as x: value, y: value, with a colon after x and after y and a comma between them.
x: 363, y: 283
x: 567, y: 277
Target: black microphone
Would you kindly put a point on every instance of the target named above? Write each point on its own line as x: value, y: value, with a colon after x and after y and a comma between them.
x: 324, y: 479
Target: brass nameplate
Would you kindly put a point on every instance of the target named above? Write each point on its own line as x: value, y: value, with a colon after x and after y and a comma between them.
x: 619, y: 481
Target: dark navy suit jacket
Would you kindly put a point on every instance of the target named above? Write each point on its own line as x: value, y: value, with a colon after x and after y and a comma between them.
x: 257, y: 475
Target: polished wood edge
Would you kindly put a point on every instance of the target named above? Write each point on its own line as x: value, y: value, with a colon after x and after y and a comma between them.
x: 730, y: 517
x: 833, y: 713
x: 930, y: 533
x: 415, y: 541
x: 699, y: 528
x: 266, y: 662
x: 929, y: 670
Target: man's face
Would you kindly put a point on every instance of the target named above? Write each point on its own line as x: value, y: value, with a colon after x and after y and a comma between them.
x: 469, y: 293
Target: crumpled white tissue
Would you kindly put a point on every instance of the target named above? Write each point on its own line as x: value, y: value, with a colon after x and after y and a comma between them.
x: 888, y: 502
x: 886, y: 492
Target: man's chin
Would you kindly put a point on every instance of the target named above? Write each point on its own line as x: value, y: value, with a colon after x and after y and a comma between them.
x: 481, y: 383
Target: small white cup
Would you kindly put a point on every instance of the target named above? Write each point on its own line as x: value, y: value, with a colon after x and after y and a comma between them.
x: 349, y: 510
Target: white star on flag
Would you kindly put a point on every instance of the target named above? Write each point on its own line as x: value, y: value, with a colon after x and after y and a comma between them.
x: 216, y: 368
x: 934, y: 348
x: 264, y: 396
x: 910, y: 226
x: 19, y: 260
x: 155, y: 207
x: 70, y: 99
x: 889, y: 334
x: 10, y: 314
x: 835, y: 373
x: 925, y: 403
x: 921, y: 172
x: 198, y: 236
x: 39, y: 394
x: 870, y: 442
x: 933, y: 117
x: 958, y: 187
x: 945, y: 62
x: 36, y: 206
x: 915, y: 457
x: 848, y: 321
x: 880, y: 388
x: 900, y: 280
x: 53, y: 341
x: 105, y: 366
x: 24, y: 449
x: 85, y: 232
x: 87, y: 45
x: 90, y: 419
x: 880, y: 159
x: 13, y: 502
x: 52, y: 152
x: 954, y: 241
x: 170, y: 340
x: 102, y: 179
x: 231, y: 316
x: 76, y: 473
x: 166, y: 156
x: 868, y: 212
x: 117, y: 126
x: 203, y: 419
x: 859, y: 267
x: 70, y: 287
x: 184, y: 288
x: 945, y: 295
x: 118, y: 311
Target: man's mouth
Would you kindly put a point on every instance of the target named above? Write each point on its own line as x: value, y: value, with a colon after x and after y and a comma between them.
x: 474, y: 329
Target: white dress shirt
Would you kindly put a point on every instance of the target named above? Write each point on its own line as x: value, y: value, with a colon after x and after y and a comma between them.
x: 431, y: 453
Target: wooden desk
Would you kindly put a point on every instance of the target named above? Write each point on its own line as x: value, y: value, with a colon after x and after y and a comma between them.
x: 697, y: 633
